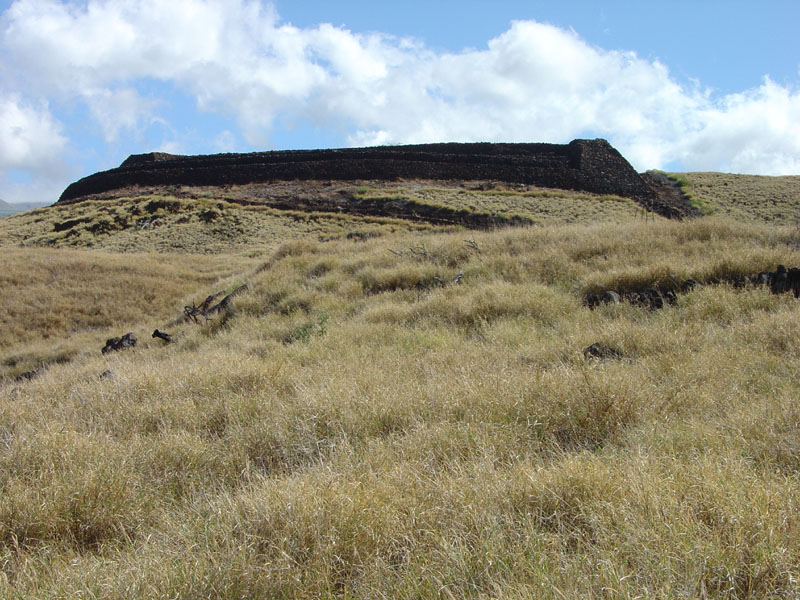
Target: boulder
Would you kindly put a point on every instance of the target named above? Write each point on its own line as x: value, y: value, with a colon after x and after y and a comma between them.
x: 120, y: 343
x: 606, y: 297
x: 779, y: 283
x: 162, y: 335
x: 793, y: 281
x: 601, y: 352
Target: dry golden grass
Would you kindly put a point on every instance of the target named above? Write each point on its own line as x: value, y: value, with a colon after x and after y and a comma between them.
x: 354, y: 430
x: 180, y: 225
x: 747, y: 198
x: 541, y: 205
x: 202, y: 221
x: 57, y: 302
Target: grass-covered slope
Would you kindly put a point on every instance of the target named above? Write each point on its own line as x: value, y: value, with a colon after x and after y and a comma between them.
x: 361, y: 425
x: 168, y: 224
x: 746, y: 198
x: 244, y: 218
x: 58, y: 303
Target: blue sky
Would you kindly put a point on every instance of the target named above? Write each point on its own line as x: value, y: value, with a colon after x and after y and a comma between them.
x: 679, y: 86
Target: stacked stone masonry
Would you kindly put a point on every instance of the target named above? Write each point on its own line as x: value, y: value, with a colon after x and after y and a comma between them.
x: 583, y: 165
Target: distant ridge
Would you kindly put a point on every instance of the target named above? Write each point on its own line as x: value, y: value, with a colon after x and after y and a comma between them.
x: 7, y: 208
x: 583, y: 165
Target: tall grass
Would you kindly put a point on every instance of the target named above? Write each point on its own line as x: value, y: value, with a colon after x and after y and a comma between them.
x: 745, y: 198
x: 443, y: 440
x: 58, y: 302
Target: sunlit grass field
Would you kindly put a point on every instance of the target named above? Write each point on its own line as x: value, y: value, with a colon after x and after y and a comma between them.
x: 166, y: 224
x: 774, y: 200
x: 57, y: 303
x: 364, y: 423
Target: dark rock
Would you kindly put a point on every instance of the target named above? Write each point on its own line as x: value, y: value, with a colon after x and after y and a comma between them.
x: 669, y: 200
x: 584, y: 165
x: 69, y: 224
x: 737, y: 281
x: 155, y: 205
x: 120, y: 343
x: 779, y: 283
x: 634, y: 298
x: 602, y: 352
x: 606, y: 297
x: 654, y: 299
x: 359, y: 236
x: 162, y: 335
x: 208, y: 215
x: 764, y: 278
x: 108, y: 373
x: 29, y: 375
x: 651, y: 298
x: 793, y: 281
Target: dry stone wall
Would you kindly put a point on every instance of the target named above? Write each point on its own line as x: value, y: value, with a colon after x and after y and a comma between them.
x: 584, y: 165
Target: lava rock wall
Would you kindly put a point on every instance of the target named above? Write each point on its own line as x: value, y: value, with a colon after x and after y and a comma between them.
x: 585, y: 165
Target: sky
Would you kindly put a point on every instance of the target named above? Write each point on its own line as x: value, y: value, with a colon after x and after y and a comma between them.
x: 700, y: 85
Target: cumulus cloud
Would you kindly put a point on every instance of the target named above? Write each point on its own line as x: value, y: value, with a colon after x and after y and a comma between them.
x: 30, y: 137
x: 120, y: 110
x: 534, y: 82
x: 757, y: 130
x: 31, y: 147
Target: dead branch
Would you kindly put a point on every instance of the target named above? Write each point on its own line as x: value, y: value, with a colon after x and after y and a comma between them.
x: 472, y: 245
x: 193, y: 312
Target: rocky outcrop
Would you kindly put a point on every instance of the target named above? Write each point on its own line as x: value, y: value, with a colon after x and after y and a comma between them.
x: 583, y: 165
x: 120, y: 343
x: 781, y: 281
x: 669, y: 200
x: 652, y: 298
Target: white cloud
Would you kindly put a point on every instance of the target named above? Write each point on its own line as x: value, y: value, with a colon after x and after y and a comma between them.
x: 31, y: 144
x: 754, y: 131
x: 535, y: 82
x: 120, y: 110
x: 225, y: 141
x: 30, y: 137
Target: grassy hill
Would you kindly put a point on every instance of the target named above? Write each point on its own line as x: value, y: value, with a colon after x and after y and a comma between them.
x: 746, y: 197
x: 399, y: 406
x: 240, y: 218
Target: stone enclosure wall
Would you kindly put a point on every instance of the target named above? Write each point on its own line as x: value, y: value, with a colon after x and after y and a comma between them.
x: 584, y: 165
